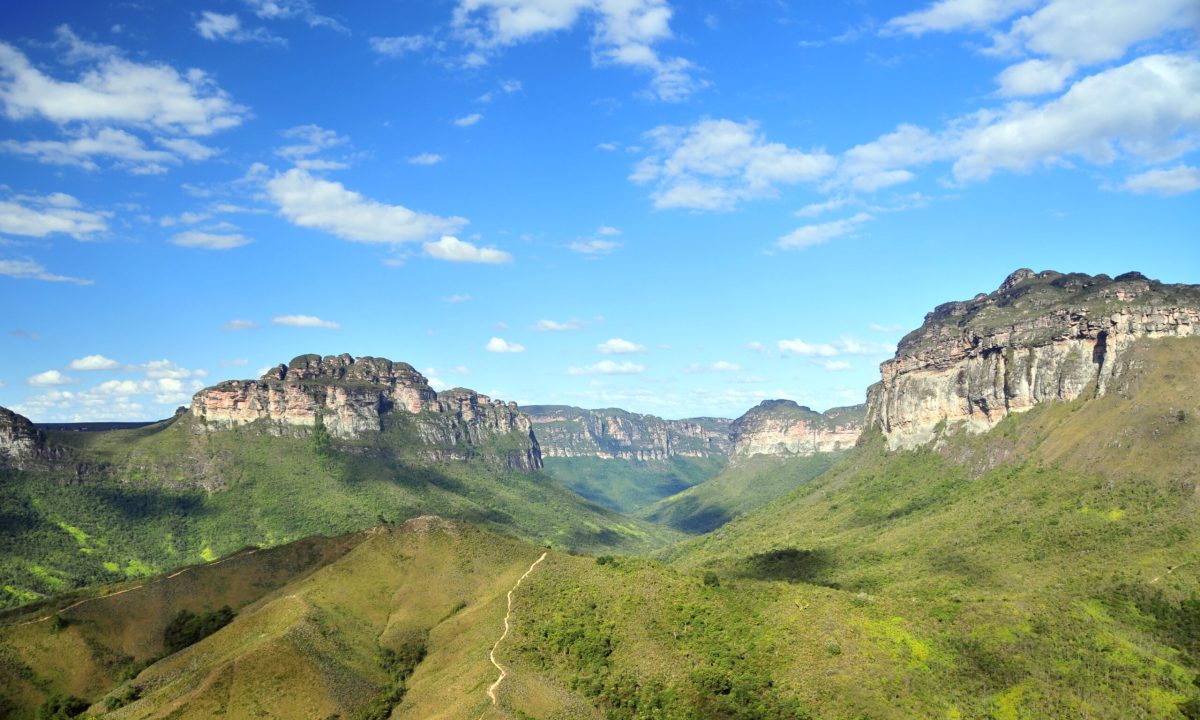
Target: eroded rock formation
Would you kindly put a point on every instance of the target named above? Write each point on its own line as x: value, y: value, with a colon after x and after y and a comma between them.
x: 781, y: 427
x: 1039, y: 337
x: 565, y: 431
x: 353, y: 396
x: 22, y: 445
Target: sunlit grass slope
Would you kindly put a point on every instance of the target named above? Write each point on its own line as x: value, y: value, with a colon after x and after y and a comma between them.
x: 165, y: 496
x: 738, y: 489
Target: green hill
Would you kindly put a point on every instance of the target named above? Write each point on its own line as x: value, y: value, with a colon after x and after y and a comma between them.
x: 627, y: 485
x: 130, y: 503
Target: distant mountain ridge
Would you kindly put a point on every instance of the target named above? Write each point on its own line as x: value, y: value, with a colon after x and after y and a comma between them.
x: 1038, y: 337
x: 567, y: 431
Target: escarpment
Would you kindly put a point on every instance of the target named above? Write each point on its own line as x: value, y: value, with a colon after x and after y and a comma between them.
x: 611, y: 433
x: 1039, y: 337
x: 782, y: 427
x: 22, y: 445
x: 350, y: 397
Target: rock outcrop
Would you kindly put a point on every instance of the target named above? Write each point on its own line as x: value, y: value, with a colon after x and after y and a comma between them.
x: 1039, y: 337
x: 781, y: 427
x: 356, y: 396
x: 22, y: 445
x: 565, y: 431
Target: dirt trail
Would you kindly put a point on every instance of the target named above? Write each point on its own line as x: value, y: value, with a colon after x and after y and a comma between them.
x: 491, y: 691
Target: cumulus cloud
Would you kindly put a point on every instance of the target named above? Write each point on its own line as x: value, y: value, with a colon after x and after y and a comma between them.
x: 623, y: 33
x: 717, y: 164
x: 452, y: 249
x: 619, y: 346
x: 209, y: 241
x: 49, y: 378
x: 126, y: 151
x: 58, y: 213
x: 115, y: 90
x: 31, y: 270
x: 94, y: 362
x: 399, y: 45
x: 500, y: 345
x: 553, y: 326
x: 819, y: 233
x: 305, y: 321
x: 1165, y: 181
x: 946, y: 15
x: 593, y: 246
x: 312, y: 202
x: 425, y: 159
x: 608, y: 367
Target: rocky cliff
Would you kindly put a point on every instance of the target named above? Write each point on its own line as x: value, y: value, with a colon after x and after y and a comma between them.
x: 354, y: 396
x: 781, y: 427
x: 565, y: 431
x: 1039, y: 337
x: 22, y: 445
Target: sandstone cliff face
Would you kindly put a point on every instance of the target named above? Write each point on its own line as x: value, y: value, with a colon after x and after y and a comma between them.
x: 1039, y: 337
x: 781, y: 427
x: 22, y: 445
x: 354, y: 396
x: 565, y: 431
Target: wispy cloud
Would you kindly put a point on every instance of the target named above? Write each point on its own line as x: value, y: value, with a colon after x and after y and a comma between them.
x: 305, y: 321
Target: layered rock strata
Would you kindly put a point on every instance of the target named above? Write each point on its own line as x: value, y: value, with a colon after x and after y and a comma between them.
x: 22, y: 445
x: 354, y: 396
x: 565, y: 431
x: 1039, y: 337
x: 781, y: 427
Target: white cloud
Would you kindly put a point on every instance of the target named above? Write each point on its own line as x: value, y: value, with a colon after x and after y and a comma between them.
x: 946, y: 15
x: 608, y: 367
x: 814, y: 209
x: 305, y: 321
x: 452, y: 249
x: 115, y: 90
x: 237, y: 325
x: 500, y: 345
x: 836, y: 365
x: 400, y: 45
x: 819, y: 233
x: 844, y: 346
x: 209, y: 241
x: 166, y: 370
x: 606, y: 230
x: 49, y: 215
x: 425, y: 159
x: 717, y: 164
x: 468, y: 120
x: 215, y: 26
x: 718, y: 366
x: 800, y: 347
x: 309, y: 140
x: 31, y: 270
x: 618, y: 346
x: 507, y: 87
x: 303, y: 10
x: 591, y: 246
x: 125, y: 150
x: 49, y: 378
x: 1165, y: 181
x: 456, y: 298
x: 312, y: 202
x: 94, y: 362
x: 1034, y: 77
x: 553, y: 326
x: 624, y: 32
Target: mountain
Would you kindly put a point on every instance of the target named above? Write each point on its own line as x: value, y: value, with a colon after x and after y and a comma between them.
x: 1048, y: 547
x: 320, y: 446
x: 781, y: 427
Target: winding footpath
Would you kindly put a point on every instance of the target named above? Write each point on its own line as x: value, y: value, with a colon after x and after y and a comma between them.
x: 491, y: 691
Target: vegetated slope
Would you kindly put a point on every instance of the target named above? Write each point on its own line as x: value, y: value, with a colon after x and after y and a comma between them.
x: 626, y: 485
x: 736, y: 490
x: 1051, y: 562
x: 134, y: 502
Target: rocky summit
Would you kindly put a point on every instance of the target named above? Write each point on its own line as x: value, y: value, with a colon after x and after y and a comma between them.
x: 1038, y: 337
x: 782, y: 427
x: 565, y: 431
x: 21, y: 444
x: 351, y: 396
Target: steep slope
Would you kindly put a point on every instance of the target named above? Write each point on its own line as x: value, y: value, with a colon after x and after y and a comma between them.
x: 104, y: 506
x: 783, y: 428
x: 625, y: 460
x: 1059, y: 551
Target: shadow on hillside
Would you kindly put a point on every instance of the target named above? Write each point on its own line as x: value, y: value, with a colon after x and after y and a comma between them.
x: 787, y: 564
x: 688, y: 515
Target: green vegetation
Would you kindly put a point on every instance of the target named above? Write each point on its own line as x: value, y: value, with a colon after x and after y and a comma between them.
x: 626, y: 485
x: 738, y: 489
x: 188, y: 628
x: 170, y: 497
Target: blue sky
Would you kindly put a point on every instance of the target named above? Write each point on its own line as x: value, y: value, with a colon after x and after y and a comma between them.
x: 680, y: 209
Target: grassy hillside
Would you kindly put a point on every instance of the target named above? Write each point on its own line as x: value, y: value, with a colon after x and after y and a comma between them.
x: 736, y: 490
x: 161, y: 497
x: 626, y: 485
x: 1059, y: 553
